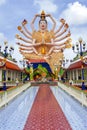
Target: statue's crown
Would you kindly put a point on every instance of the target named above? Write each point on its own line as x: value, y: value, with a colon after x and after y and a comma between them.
x: 43, y: 15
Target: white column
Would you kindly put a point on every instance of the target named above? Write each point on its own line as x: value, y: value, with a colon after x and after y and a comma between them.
x: 70, y: 75
x: 73, y: 75
x: 6, y: 74
x: 15, y: 75
x: 77, y: 74
x: 11, y: 74
x: 0, y: 74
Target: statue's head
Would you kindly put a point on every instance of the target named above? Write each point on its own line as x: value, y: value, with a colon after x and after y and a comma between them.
x: 43, y: 21
x: 43, y: 24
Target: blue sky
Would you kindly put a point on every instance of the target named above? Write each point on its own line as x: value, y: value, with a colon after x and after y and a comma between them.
x: 12, y: 13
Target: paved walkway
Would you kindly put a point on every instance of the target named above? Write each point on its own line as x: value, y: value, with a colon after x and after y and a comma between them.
x: 46, y: 113
x: 15, y: 114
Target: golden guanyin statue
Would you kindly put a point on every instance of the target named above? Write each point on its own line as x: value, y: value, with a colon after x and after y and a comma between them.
x: 44, y: 43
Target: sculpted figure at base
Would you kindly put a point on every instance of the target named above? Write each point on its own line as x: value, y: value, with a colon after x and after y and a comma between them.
x: 43, y: 42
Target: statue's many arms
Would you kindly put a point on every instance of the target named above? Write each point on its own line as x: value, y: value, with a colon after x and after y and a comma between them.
x: 44, y: 43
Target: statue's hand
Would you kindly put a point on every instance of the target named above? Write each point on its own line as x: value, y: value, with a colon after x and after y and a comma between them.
x: 66, y: 25
x: 33, y: 41
x: 62, y: 21
x: 48, y: 15
x: 24, y: 22
x: 37, y: 15
x: 52, y: 41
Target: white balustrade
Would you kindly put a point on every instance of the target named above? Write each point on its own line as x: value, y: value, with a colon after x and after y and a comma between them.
x: 79, y: 95
x: 7, y: 96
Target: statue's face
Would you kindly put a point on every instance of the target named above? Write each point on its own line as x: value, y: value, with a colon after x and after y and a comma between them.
x: 43, y: 25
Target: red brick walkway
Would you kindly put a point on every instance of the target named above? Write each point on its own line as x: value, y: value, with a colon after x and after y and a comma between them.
x: 46, y: 113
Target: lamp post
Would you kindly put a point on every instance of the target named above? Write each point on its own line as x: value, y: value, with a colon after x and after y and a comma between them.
x: 6, y: 53
x: 63, y: 62
x: 80, y: 48
x: 31, y: 71
x: 23, y: 63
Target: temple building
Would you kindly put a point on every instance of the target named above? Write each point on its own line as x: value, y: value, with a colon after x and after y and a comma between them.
x: 74, y: 71
x: 13, y: 72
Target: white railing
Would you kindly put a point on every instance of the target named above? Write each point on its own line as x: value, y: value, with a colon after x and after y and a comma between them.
x: 79, y: 95
x: 8, y: 83
x: 8, y: 95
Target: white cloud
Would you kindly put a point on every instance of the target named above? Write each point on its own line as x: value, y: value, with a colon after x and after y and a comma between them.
x: 79, y: 32
x: 46, y: 5
x: 2, y: 2
x: 76, y: 13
